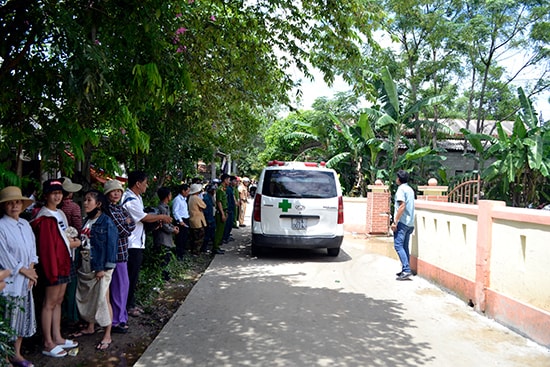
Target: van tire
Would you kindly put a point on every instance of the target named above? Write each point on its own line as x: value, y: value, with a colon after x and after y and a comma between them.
x: 333, y: 251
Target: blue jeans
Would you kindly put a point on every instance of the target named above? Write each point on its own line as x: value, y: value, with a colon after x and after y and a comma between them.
x: 209, y: 235
x: 401, y: 238
x: 228, y: 225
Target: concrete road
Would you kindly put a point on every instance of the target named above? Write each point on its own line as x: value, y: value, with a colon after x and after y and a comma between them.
x: 303, y: 308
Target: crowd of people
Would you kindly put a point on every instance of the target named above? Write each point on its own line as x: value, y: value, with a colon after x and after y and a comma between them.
x: 84, y: 269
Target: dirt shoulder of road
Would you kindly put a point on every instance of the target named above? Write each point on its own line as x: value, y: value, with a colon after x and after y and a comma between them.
x: 125, y: 349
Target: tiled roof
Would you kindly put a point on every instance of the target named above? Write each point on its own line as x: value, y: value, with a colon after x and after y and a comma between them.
x: 450, y: 145
x: 489, y: 126
x: 454, y: 145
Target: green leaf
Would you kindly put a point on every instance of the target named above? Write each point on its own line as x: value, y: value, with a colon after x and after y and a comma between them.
x: 333, y: 162
x: 528, y: 113
x: 419, y: 153
x: 519, y: 130
x: 475, y: 139
x: 423, y: 103
x: 502, y: 136
x: 491, y: 172
x: 535, y: 151
x: 385, y: 121
x: 391, y: 90
x: 366, y: 129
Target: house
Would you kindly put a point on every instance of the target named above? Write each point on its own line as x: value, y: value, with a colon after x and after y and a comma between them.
x: 457, y: 162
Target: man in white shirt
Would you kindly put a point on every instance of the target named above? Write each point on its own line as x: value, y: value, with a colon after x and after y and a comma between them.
x: 180, y: 211
x: 133, y: 203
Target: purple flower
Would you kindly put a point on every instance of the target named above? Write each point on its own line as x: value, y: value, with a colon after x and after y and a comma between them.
x: 181, y: 49
x: 190, y: 1
x: 96, y: 41
x: 179, y: 15
x: 181, y: 30
x: 212, y: 18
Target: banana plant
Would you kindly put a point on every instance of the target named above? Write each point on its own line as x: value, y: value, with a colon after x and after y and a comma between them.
x: 520, y: 171
x: 374, y: 141
x: 391, y: 120
x: 360, y: 138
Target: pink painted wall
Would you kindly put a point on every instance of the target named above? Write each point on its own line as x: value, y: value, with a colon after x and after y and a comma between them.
x: 355, y: 215
x: 496, y: 257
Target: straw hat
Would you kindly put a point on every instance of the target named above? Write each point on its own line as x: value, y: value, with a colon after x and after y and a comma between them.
x: 14, y: 193
x: 69, y: 186
x: 195, y: 188
x: 112, y: 185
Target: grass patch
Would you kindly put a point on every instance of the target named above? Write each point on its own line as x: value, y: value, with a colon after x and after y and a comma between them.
x: 151, y: 278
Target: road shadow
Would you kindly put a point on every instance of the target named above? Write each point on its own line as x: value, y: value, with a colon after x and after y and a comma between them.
x: 242, y: 313
x: 277, y: 254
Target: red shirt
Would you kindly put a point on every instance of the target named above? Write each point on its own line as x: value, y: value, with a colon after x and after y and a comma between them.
x: 53, y: 254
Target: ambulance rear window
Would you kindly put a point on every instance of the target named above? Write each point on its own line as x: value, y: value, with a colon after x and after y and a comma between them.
x: 299, y: 184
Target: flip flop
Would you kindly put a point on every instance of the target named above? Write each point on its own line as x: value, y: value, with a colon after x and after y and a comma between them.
x: 80, y: 333
x: 103, y: 345
x: 69, y: 344
x: 56, y: 352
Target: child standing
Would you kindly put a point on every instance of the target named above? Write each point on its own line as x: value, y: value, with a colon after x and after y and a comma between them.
x: 54, y: 248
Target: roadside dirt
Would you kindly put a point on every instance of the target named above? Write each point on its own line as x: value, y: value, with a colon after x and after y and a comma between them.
x: 125, y: 348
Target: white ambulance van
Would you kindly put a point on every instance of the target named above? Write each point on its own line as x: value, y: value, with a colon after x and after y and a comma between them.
x: 298, y: 205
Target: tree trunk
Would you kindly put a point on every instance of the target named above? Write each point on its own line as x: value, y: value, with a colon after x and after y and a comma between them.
x: 19, y: 161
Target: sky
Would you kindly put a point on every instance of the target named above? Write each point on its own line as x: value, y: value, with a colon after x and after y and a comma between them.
x: 318, y: 88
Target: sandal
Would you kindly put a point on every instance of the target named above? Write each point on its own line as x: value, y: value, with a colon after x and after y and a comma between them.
x: 80, y: 333
x: 69, y: 344
x: 55, y: 352
x: 103, y: 345
x: 135, y: 312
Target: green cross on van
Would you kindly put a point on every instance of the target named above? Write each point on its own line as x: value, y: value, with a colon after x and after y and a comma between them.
x: 285, y: 205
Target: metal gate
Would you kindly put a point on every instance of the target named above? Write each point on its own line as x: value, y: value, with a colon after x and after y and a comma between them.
x: 466, y: 191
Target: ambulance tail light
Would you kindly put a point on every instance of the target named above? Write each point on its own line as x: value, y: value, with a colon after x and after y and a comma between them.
x: 340, y: 210
x: 257, y: 211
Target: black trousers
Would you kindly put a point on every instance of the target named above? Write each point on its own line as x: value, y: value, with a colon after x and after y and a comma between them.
x: 182, y: 240
x: 135, y: 258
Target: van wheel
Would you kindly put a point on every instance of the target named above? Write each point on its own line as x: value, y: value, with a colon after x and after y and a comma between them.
x: 254, y: 250
x: 333, y: 251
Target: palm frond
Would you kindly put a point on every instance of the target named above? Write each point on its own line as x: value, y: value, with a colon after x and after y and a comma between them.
x: 414, y: 109
x: 299, y: 135
x: 528, y: 113
x: 333, y: 162
x: 390, y: 95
